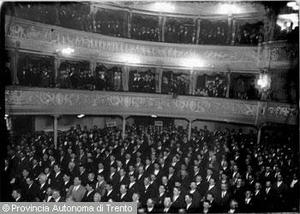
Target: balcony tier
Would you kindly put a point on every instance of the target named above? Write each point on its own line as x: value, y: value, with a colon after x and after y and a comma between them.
x: 42, y: 101
x: 41, y: 38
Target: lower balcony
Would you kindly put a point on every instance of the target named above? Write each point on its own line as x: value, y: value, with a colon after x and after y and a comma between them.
x: 46, y: 101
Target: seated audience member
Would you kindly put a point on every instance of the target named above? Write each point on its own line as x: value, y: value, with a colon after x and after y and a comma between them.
x: 76, y: 191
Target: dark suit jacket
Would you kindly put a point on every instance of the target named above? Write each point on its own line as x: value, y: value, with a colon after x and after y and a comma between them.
x: 112, y: 196
x: 192, y: 209
x: 31, y: 193
x: 125, y: 198
x: 88, y: 197
x: 178, y: 204
x: 42, y: 191
x: 76, y: 195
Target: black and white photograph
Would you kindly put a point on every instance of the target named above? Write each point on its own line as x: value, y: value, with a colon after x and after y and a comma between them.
x: 176, y: 106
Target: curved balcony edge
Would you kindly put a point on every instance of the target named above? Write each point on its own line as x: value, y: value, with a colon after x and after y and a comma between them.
x: 45, y: 101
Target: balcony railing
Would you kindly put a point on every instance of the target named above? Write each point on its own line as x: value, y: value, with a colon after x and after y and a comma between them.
x: 42, y: 101
x: 138, y: 25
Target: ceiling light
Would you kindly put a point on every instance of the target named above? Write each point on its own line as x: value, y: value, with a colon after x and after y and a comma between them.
x: 66, y: 51
x: 154, y: 116
x: 263, y: 82
x: 80, y: 116
x: 228, y: 9
x: 192, y: 62
x: 162, y: 7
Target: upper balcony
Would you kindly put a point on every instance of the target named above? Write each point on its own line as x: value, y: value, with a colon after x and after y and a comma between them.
x: 205, y: 23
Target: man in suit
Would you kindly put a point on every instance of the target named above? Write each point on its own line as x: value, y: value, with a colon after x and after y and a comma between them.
x: 150, y: 208
x: 16, y: 195
x: 195, y: 194
x: 42, y: 186
x: 57, y: 178
x: 168, y: 206
x: 32, y: 190
x: 89, y: 194
x: 56, y: 197
x: 123, y: 196
x: 269, y: 195
x: 114, y: 177
x: 247, y: 206
x: 177, y: 199
x: 161, y: 197
x: 123, y: 177
x: 101, y: 184
x: 66, y: 184
x: 201, y: 186
x: 147, y: 190
x: 83, y: 174
x: 191, y: 206
x: 110, y: 194
x: 132, y: 186
x: 223, y: 198
x: 76, y: 191
x: 258, y: 198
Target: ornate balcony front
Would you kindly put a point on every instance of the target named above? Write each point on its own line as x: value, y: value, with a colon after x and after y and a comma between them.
x: 37, y: 37
x: 40, y: 101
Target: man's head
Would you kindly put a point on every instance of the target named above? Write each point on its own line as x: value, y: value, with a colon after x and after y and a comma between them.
x: 77, y: 181
x: 188, y: 198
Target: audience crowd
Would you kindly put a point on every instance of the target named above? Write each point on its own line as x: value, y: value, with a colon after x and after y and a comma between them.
x: 79, y: 16
x: 159, y: 168
x: 79, y: 76
x: 180, y: 34
x: 39, y: 74
x: 213, y: 88
x: 142, y: 82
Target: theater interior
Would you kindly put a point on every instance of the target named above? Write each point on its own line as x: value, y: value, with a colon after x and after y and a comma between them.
x: 179, y: 106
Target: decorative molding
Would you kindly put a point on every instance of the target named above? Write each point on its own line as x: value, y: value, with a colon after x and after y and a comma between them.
x: 24, y: 100
x: 47, y: 39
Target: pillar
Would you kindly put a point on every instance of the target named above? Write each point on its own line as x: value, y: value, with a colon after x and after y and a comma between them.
x: 198, y: 30
x: 125, y: 78
x: 190, y: 129
x: 57, y: 62
x: 158, y: 77
x: 124, y: 127
x: 162, y: 26
x: 55, y: 122
x: 233, y: 34
x: 229, y: 33
x: 259, y: 134
x: 93, y: 65
x: 14, y: 66
x: 129, y: 20
x: 228, y: 84
x: 191, y: 85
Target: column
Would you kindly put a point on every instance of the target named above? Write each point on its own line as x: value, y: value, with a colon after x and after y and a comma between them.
x: 190, y: 129
x: 129, y: 19
x: 233, y: 35
x: 14, y: 66
x: 57, y: 62
x: 259, y: 134
x: 229, y: 33
x: 228, y: 83
x: 55, y: 122
x: 124, y: 127
x: 125, y: 78
x: 191, y: 85
x: 93, y: 65
x: 162, y: 26
x: 158, y: 80
x: 198, y: 30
